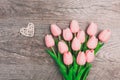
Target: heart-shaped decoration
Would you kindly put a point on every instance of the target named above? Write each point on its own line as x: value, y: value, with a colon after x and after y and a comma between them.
x: 28, y: 31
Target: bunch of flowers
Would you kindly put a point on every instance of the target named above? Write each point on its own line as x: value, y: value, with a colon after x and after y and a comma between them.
x: 73, y: 50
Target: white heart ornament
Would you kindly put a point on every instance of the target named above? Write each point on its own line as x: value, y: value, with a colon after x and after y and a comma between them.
x: 28, y: 31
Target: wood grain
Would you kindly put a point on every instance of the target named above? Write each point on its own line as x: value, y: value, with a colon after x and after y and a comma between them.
x: 23, y: 58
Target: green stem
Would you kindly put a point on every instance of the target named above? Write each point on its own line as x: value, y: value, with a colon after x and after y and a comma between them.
x: 68, y: 69
x: 59, y: 37
x: 53, y: 51
x: 81, y: 47
x: 69, y: 43
x: 74, y: 34
x: 76, y: 52
x: 69, y: 46
x: 99, y: 45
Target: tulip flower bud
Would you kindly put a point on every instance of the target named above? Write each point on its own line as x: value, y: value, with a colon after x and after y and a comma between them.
x: 92, y: 42
x: 74, y: 26
x: 49, y: 41
x: 56, y: 31
x: 89, y: 55
x: 62, y: 47
x: 67, y: 58
x: 81, y: 59
x: 76, y: 44
x: 105, y: 35
x: 67, y: 34
x: 81, y: 36
x: 92, y: 29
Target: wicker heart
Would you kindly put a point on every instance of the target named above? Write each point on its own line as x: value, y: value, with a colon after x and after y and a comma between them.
x: 28, y: 31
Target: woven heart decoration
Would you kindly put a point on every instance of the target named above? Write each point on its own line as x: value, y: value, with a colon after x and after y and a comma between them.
x: 28, y: 31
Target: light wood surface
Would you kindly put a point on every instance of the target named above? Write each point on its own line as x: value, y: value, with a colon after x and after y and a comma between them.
x: 24, y: 58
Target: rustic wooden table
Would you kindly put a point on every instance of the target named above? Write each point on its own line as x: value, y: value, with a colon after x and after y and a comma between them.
x: 24, y: 58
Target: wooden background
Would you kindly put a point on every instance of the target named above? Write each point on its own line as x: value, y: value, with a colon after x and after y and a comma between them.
x: 23, y: 58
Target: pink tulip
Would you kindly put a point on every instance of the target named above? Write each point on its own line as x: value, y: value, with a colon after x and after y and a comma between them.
x: 67, y: 58
x: 67, y: 34
x: 76, y: 44
x: 92, y: 29
x: 74, y: 26
x: 81, y: 59
x: 56, y: 31
x: 62, y: 47
x: 105, y: 35
x: 90, y: 55
x: 81, y: 36
x: 49, y: 41
x: 92, y: 42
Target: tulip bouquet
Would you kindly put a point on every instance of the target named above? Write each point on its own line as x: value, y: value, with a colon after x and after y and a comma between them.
x: 73, y: 50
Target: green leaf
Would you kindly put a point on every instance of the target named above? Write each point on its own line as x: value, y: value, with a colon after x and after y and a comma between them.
x: 61, y: 66
x: 75, y: 67
x: 70, y: 73
x: 86, y: 72
x: 51, y: 54
x: 60, y: 57
x: 83, y: 69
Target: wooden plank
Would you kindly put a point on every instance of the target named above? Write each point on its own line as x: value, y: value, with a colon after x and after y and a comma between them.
x: 23, y: 58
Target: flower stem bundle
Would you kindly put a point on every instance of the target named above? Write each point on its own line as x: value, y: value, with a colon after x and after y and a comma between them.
x: 73, y: 50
